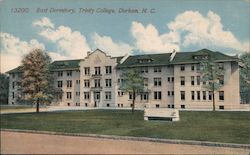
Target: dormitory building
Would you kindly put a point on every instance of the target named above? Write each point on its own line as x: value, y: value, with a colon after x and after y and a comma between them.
x: 173, y: 80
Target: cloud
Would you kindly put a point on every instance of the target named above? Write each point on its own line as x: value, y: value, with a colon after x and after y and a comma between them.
x: 44, y: 22
x: 112, y: 48
x: 70, y: 43
x: 13, y: 49
x: 148, y: 39
x: 204, y: 31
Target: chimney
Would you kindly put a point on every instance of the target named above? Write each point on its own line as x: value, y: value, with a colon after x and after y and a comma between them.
x: 172, y: 55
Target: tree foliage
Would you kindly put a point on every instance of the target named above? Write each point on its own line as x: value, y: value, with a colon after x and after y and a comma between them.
x: 211, y: 74
x: 4, y: 87
x: 133, y: 83
x: 245, y: 78
x: 36, y: 80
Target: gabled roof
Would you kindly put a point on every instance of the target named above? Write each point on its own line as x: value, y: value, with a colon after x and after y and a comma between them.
x: 65, y: 64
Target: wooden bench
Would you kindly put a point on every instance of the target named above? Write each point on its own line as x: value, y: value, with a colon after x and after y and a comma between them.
x: 161, y: 114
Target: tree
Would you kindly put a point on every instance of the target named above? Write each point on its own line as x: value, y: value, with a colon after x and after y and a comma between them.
x: 211, y: 74
x: 4, y: 87
x: 36, y: 81
x: 133, y: 83
x: 245, y: 78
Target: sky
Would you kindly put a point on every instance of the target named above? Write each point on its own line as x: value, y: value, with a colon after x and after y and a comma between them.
x: 69, y: 29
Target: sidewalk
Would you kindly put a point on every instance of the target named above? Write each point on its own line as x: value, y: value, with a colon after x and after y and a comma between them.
x: 31, y: 143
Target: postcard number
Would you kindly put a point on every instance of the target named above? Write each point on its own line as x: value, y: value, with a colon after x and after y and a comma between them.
x: 19, y: 10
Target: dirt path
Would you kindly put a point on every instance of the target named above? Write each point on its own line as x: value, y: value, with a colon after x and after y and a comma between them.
x: 29, y: 143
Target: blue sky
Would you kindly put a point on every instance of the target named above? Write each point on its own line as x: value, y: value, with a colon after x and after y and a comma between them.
x: 183, y: 25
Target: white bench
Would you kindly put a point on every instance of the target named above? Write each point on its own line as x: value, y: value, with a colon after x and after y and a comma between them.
x: 161, y: 114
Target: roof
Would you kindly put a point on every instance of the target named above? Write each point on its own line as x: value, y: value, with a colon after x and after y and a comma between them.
x: 154, y: 60
x: 65, y: 64
x: 180, y: 58
x: 15, y: 70
x: 187, y: 57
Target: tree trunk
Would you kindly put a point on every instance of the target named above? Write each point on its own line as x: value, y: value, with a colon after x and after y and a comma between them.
x: 133, y: 103
x: 37, y: 105
x: 213, y: 102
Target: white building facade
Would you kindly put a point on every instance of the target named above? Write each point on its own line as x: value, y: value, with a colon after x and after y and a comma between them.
x: 173, y: 81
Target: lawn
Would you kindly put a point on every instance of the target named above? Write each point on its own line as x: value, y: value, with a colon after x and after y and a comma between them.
x: 229, y: 127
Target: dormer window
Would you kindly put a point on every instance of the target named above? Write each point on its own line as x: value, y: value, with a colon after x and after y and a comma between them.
x: 200, y: 57
x: 145, y: 60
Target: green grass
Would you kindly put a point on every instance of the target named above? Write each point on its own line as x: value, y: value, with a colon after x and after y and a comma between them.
x: 230, y: 127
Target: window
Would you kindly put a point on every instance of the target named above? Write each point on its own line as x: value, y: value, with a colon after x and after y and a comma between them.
x: 182, y: 95
x: 221, y: 65
x: 170, y: 93
x: 182, y: 81
x: 108, y: 95
x: 77, y: 104
x: 182, y: 106
x: 221, y: 95
x: 59, y: 74
x: 192, y: 67
x: 86, y: 104
x: 13, y: 95
x: 198, y: 78
x: 120, y: 93
x: 120, y: 81
x: 204, y: 82
x: 130, y: 96
x: 170, y: 79
x: 86, y: 70
x: 182, y: 67
x: 77, y: 93
x: 68, y: 104
x: 144, y: 69
x: 69, y: 83
x: 86, y: 95
x: 86, y: 83
x: 157, y: 106
x: 13, y: 76
x: 97, y: 70
x: 77, y: 81
x: 144, y: 96
x: 157, y: 95
x: 68, y: 95
x: 157, y: 69
x: 108, y: 82
x: 108, y: 69
x: 204, y: 95
x: 192, y: 95
x: 108, y: 105
x: 157, y: 81
x: 221, y: 107
x: 198, y: 67
x: 221, y: 79
x: 198, y: 95
x: 172, y: 106
x: 97, y: 83
x: 210, y: 95
x: 59, y: 84
x: 69, y: 73
x: 13, y: 85
x: 192, y: 80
